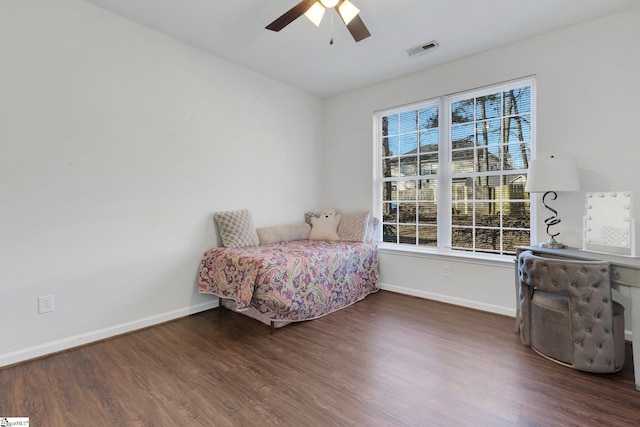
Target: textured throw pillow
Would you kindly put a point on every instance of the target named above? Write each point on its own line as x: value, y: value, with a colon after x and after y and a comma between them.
x: 283, y: 233
x: 354, y: 225
x: 236, y: 228
x: 309, y: 215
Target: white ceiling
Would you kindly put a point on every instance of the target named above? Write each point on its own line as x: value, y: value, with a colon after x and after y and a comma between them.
x: 300, y: 54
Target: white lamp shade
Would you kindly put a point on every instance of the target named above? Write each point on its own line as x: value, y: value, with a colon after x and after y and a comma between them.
x: 552, y: 174
x: 348, y: 11
x: 315, y: 13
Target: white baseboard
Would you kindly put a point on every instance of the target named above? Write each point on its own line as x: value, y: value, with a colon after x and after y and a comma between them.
x: 507, y: 311
x: 83, y: 339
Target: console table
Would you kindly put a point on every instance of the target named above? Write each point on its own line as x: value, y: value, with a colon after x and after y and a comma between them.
x: 625, y: 274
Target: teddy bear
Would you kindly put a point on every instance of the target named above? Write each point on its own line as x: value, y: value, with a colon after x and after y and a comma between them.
x: 325, y: 226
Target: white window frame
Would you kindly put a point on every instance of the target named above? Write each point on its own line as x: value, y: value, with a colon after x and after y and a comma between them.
x: 444, y: 175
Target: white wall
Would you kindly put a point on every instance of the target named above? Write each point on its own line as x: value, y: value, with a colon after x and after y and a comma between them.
x: 588, y: 82
x: 116, y: 146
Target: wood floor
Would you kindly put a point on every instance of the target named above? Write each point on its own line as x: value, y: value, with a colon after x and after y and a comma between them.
x: 389, y: 360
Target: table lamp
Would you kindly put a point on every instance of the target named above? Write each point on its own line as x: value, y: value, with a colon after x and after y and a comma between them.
x: 550, y: 176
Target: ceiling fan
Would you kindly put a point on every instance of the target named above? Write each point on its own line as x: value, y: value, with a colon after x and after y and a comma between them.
x: 314, y: 10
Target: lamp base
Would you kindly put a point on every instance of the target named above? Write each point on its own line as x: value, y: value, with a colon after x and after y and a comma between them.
x: 552, y: 244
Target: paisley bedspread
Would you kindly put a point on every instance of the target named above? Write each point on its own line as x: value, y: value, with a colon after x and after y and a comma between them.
x: 292, y: 281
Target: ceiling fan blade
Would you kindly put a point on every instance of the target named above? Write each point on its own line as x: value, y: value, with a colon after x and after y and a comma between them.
x: 357, y: 29
x: 291, y: 15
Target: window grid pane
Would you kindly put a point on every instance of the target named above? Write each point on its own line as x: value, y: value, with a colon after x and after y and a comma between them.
x: 488, y: 149
x: 410, y: 149
x: 481, y: 218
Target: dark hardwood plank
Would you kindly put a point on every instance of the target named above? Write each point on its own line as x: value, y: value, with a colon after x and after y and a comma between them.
x: 389, y: 360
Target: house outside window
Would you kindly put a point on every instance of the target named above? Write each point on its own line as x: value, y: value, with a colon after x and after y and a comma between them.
x: 451, y: 171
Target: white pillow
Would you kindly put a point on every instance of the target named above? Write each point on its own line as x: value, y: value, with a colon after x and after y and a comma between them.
x: 372, y: 228
x: 283, y: 233
x: 325, y: 227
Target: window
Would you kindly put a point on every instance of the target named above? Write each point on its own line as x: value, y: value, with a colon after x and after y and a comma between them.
x: 452, y: 171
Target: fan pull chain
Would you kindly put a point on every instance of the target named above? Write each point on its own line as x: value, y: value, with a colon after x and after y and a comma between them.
x: 331, y: 41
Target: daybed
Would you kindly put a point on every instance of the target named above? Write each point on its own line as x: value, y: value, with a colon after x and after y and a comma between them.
x: 282, y: 277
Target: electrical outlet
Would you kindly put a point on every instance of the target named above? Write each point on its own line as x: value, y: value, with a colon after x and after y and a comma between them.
x: 45, y: 304
x: 445, y: 271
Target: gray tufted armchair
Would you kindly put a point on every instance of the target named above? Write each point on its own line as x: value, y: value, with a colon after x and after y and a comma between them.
x: 566, y: 312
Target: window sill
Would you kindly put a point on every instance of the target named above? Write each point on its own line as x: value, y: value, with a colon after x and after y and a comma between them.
x: 505, y: 261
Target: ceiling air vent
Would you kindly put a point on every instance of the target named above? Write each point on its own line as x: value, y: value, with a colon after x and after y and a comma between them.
x: 422, y: 49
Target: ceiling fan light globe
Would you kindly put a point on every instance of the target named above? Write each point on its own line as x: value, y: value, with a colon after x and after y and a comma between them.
x: 329, y: 3
x: 315, y: 13
x: 348, y: 11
